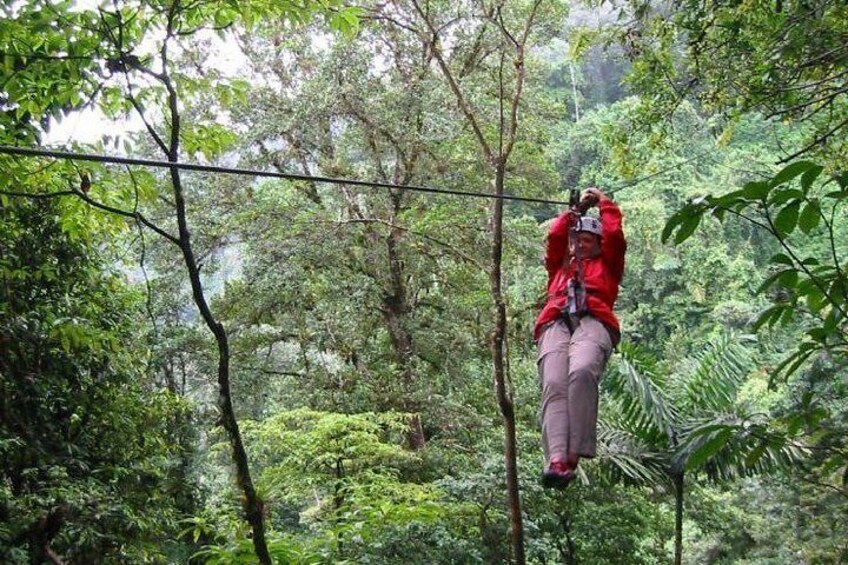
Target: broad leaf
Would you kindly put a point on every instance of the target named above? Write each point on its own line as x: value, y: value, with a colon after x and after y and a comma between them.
x: 680, y: 218
x: 791, y: 171
x: 809, y: 176
x: 810, y: 216
x: 816, y: 300
x: 756, y: 190
x: 687, y: 228
x: 787, y: 218
x: 783, y: 196
x: 784, y: 277
x: 782, y: 259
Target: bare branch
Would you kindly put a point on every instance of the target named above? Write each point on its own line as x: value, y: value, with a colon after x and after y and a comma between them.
x: 454, y: 250
x: 819, y: 139
x: 140, y: 111
x: 433, y: 42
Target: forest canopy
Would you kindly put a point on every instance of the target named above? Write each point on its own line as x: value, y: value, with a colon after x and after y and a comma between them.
x: 320, y: 362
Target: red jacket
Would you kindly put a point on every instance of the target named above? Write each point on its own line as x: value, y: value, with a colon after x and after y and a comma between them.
x: 601, y: 274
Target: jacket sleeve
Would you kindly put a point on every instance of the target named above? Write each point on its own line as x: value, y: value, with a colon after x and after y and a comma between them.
x: 556, y: 246
x: 613, y: 244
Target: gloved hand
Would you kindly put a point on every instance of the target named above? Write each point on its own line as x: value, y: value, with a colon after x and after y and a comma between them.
x: 591, y: 197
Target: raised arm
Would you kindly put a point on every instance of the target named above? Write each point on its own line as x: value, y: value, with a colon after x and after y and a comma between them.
x: 613, y: 244
x: 556, y: 246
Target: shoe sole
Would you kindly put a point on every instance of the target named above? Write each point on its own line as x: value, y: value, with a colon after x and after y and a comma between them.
x: 557, y: 480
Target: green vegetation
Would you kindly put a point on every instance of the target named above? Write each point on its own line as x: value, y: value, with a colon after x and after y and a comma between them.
x: 202, y: 368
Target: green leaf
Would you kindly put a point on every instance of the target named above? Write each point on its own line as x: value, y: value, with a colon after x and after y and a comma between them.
x: 816, y: 300
x: 809, y: 176
x: 794, y: 423
x: 756, y: 453
x: 579, y: 42
x: 810, y: 216
x: 818, y: 334
x: 788, y: 278
x: 730, y: 199
x: 756, y: 190
x: 782, y: 259
x: 708, y: 448
x: 785, y: 195
x: 770, y: 316
x: 831, y: 321
x: 791, y: 171
x: 786, y: 316
x: 837, y: 195
x: 677, y: 219
x: 837, y: 288
x: 687, y: 228
x: 789, y: 365
x: 787, y: 218
x: 782, y: 277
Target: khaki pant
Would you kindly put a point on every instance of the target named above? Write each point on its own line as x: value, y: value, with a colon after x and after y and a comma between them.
x: 570, y: 367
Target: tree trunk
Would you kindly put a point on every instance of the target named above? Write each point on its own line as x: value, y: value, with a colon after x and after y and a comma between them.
x: 396, y: 309
x: 498, y: 361
x: 251, y: 503
x: 677, y: 477
x: 569, y: 552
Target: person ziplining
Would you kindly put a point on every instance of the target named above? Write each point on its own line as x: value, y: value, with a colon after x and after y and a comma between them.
x: 577, y: 329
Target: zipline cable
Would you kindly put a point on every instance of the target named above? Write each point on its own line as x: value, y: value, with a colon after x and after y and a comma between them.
x: 66, y: 155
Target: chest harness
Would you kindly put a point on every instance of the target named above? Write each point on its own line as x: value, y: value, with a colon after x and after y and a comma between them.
x: 576, y: 307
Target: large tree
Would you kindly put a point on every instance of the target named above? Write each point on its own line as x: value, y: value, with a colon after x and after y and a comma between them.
x: 785, y: 60
x: 129, y: 77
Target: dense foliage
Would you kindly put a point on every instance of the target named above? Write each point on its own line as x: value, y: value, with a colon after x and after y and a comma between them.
x: 220, y: 369
x: 91, y: 458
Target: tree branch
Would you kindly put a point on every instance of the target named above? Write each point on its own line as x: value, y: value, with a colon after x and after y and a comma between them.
x: 433, y: 42
x: 820, y: 139
x: 448, y: 246
x: 802, y: 267
x: 99, y: 205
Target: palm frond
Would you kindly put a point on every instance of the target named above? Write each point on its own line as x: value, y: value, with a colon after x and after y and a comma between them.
x: 626, y: 457
x: 731, y: 445
x: 635, y: 385
x: 718, y: 372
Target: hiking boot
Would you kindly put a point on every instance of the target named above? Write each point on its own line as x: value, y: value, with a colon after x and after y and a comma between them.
x: 557, y: 475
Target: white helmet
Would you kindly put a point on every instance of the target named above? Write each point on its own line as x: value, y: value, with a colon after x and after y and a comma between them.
x: 589, y: 224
